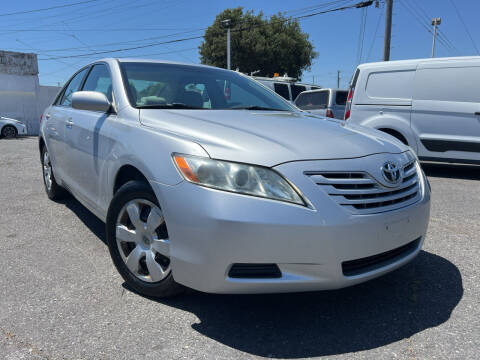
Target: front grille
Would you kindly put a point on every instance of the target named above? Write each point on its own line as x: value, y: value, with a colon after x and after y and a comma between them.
x: 366, y: 264
x: 360, y: 193
x: 254, y: 271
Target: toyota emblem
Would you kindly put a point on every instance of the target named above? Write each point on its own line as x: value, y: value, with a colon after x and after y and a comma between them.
x: 391, y: 172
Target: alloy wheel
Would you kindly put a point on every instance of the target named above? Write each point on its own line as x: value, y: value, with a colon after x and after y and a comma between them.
x: 47, y: 171
x: 142, y: 240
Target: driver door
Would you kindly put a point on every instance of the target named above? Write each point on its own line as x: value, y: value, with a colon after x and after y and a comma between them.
x: 88, y: 139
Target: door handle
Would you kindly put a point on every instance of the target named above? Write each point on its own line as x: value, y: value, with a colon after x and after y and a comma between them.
x: 69, y: 123
x: 477, y: 113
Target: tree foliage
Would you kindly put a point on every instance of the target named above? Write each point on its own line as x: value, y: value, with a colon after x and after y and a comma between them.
x: 275, y: 45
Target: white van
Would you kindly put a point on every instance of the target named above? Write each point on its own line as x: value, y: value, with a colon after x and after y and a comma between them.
x: 286, y: 87
x: 433, y: 105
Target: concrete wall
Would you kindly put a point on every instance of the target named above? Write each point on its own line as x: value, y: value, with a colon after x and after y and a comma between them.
x: 21, y: 96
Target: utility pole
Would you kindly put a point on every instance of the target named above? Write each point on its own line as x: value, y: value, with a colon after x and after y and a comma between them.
x: 388, y: 30
x: 226, y: 24
x: 435, y: 22
x: 338, y: 79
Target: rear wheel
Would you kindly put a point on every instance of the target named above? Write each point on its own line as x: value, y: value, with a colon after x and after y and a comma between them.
x: 9, y: 132
x: 138, y: 241
x: 53, y: 190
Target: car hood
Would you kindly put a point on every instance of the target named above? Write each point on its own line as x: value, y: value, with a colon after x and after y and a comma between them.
x: 270, y: 138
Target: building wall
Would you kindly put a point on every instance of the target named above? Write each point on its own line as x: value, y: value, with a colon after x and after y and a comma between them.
x: 21, y: 96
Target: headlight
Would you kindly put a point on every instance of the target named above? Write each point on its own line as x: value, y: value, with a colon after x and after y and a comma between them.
x: 236, y: 177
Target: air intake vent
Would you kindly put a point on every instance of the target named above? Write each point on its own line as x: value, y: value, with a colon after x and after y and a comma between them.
x: 363, y: 265
x: 254, y: 271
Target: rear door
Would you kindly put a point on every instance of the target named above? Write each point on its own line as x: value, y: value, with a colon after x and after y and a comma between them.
x: 446, y: 110
x: 87, y: 138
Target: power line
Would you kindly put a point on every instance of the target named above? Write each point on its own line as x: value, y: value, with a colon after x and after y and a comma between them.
x: 465, y: 26
x: 357, y: 5
x: 440, y: 33
x: 49, y: 8
x: 124, y: 49
x: 425, y: 24
x: 380, y: 16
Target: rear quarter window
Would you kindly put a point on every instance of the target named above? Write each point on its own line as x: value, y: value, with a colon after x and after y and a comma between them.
x: 313, y: 100
x: 297, y: 89
x: 282, y: 90
x: 390, y: 84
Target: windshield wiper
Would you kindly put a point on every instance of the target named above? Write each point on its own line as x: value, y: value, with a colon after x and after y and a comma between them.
x: 169, y: 106
x: 255, y: 107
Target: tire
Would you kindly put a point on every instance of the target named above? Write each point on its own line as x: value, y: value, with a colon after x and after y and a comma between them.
x: 140, y: 253
x: 53, y: 190
x: 9, y: 132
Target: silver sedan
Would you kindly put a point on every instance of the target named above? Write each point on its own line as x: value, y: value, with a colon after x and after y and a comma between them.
x: 207, y: 179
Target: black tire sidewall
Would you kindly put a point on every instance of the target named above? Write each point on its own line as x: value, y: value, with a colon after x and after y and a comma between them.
x: 130, y: 191
x: 15, y: 132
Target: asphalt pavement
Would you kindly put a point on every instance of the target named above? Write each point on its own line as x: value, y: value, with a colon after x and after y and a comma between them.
x: 61, y: 297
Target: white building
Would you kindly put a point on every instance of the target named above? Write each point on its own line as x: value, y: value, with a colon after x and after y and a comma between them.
x: 21, y: 96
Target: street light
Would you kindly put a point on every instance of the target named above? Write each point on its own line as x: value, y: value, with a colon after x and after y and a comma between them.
x: 226, y: 24
x: 435, y: 22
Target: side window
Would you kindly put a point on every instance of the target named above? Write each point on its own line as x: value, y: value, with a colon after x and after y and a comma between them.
x: 282, y: 90
x: 341, y: 97
x: 241, y: 96
x: 458, y: 84
x: 297, y: 89
x: 73, y: 85
x: 99, y: 80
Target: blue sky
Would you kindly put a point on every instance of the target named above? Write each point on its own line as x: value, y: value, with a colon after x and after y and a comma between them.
x: 114, y: 24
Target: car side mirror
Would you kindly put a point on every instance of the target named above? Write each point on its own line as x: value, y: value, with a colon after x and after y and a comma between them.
x: 90, y: 100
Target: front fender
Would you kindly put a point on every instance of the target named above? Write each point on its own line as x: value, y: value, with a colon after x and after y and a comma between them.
x: 149, y: 151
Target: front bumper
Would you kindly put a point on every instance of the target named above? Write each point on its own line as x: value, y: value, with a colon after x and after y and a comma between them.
x: 210, y: 230
x: 21, y: 129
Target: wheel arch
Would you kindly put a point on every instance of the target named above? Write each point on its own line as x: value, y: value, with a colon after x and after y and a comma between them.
x: 127, y: 173
x: 41, y: 145
x: 396, y: 134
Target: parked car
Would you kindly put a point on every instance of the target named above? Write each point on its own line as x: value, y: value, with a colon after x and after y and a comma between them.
x: 324, y: 102
x: 10, y: 128
x: 286, y: 87
x: 433, y: 105
x: 245, y: 194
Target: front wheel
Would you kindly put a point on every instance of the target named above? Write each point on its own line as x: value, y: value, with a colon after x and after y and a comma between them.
x: 138, y: 241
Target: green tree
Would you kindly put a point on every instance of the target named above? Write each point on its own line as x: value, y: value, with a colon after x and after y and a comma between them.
x: 275, y: 45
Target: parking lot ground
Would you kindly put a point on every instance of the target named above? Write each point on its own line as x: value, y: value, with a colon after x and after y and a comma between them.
x: 61, y: 298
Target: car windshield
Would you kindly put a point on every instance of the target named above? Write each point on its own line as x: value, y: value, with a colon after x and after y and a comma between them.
x: 172, y: 86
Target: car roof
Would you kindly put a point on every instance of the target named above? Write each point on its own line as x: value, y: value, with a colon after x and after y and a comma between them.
x: 154, y: 61
x: 412, y: 62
